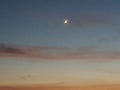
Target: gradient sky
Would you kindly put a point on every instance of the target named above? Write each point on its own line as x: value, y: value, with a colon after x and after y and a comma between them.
x: 93, y: 27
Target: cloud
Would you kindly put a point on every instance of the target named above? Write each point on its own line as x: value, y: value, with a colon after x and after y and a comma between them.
x: 59, y: 53
x: 10, y: 50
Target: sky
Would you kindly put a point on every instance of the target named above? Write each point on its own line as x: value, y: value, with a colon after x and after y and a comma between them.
x: 37, y: 47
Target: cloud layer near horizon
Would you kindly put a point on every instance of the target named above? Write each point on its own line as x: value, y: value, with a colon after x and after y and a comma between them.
x: 58, y: 53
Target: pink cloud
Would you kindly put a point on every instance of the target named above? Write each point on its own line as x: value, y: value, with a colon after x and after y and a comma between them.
x: 58, y: 53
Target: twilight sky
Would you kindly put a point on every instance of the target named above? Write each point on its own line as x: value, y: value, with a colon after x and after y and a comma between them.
x: 37, y: 47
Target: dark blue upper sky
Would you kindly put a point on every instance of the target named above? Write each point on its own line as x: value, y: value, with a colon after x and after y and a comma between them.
x: 41, y: 23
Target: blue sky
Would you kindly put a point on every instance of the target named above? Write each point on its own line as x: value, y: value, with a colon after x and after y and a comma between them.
x: 40, y: 23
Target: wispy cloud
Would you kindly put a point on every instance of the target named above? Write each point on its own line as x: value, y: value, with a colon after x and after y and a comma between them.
x: 57, y: 53
x: 4, y: 49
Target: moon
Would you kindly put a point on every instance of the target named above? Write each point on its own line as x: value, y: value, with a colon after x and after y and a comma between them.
x: 66, y: 21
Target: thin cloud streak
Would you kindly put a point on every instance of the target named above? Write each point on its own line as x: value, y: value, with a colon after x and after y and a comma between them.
x: 59, y: 53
